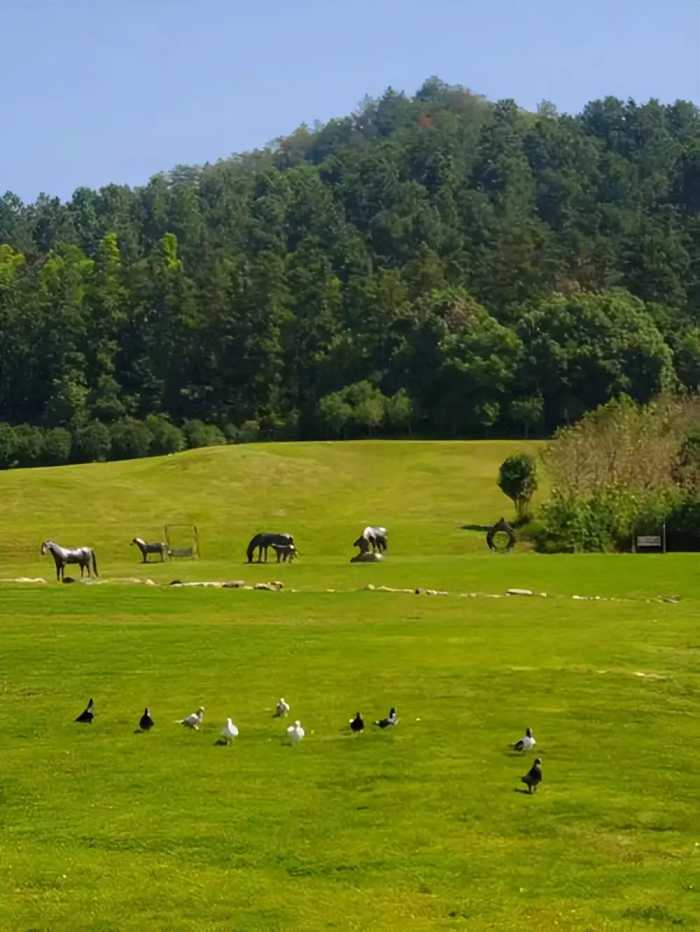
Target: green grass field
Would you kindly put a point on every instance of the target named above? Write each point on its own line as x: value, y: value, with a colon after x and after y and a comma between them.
x: 419, y: 828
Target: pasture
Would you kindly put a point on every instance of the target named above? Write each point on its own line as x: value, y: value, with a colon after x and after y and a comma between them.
x: 421, y: 827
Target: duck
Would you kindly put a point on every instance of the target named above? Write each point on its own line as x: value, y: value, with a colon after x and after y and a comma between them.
x: 282, y: 708
x: 296, y: 732
x: 391, y: 719
x: 193, y: 720
x: 526, y: 743
x: 228, y: 733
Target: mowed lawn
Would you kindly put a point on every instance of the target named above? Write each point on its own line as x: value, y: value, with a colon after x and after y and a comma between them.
x: 421, y: 827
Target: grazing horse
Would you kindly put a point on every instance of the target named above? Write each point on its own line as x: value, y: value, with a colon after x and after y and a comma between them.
x: 285, y: 552
x: 147, y: 548
x: 261, y: 542
x: 372, y: 538
x: 81, y: 555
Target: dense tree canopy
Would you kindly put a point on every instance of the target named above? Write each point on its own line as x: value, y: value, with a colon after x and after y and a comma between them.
x: 487, y: 268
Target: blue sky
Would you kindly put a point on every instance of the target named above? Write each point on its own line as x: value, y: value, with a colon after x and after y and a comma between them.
x: 116, y: 90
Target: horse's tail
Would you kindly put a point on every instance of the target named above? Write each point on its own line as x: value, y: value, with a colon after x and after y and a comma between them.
x: 94, y: 563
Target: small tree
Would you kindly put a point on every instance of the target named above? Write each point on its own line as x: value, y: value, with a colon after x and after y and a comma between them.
x: 58, y: 444
x: 517, y: 478
x: 165, y: 436
x: 199, y: 434
x: 8, y: 444
x: 131, y: 439
x: 29, y: 445
x: 93, y: 442
x: 527, y: 412
x: 398, y: 412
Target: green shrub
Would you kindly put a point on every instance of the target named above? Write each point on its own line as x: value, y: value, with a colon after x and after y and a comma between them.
x: 199, y: 434
x: 29, y: 445
x: 93, y: 443
x: 58, y: 445
x: 8, y: 445
x: 249, y: 431
x: 165, y: 436
x: 131, y: 439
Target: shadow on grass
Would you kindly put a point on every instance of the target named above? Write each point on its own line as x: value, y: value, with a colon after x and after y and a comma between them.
x: 475, y: 527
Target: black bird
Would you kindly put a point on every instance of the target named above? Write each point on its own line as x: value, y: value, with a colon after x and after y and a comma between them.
x: 533, y: 777
x: 357, y: 724
x: 391, y: 719
x: 87, y: 715
x: 146, y: 722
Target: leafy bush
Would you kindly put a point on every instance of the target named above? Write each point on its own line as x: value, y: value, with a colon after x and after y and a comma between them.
x: 93, y: 443
x: 249, y: 431
x: 165, y: 436
x: 398, y: 412
x: 8, y: 445
x: 29, y: 445
x: 131, y: 439
x: 199, y: 434
x: 58, y: 445
x: 570, y: 527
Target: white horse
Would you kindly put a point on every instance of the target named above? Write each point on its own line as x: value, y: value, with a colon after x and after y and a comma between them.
x: 372, y: 538
x: 62, y: 555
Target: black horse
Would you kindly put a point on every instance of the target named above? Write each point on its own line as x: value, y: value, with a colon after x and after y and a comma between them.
x: 262, y: 542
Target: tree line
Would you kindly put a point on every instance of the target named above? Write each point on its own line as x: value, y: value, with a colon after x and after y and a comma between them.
x: 437, y: 264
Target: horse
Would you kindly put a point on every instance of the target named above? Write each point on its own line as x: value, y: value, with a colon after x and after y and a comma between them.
x: 147, y: 548
x: 285, y: 552
x: 81, y: 555
x: 372, y: 538
x: 261, y: 542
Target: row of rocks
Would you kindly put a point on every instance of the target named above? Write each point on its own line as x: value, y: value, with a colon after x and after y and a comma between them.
x: 273, y: 586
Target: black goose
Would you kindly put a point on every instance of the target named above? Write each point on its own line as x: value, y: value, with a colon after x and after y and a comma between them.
x: 146, y: 722
x: 357, y: 724
x: 87, y: 715
x: 533, y: 777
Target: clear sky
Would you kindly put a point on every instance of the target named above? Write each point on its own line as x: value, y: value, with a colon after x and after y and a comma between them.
x: 101, y: 91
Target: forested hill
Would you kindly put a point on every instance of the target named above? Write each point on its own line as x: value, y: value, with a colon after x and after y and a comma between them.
x: 438, y: 262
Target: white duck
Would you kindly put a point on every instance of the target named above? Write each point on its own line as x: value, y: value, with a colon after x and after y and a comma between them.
x: 228, y: 733
x: 295, y: 732
x: 526, y: 743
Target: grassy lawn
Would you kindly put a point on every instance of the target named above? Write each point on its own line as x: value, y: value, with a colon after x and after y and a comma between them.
x: 422, y: 827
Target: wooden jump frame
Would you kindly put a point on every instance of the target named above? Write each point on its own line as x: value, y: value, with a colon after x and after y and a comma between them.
x: 186, y: 553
